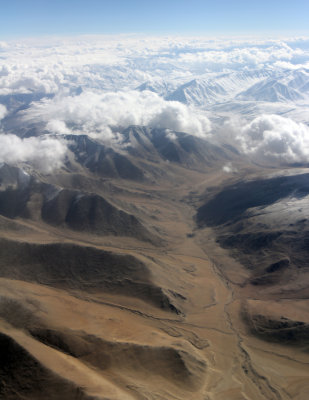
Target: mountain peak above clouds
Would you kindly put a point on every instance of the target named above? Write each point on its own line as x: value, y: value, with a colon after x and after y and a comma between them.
x: 271, y: 90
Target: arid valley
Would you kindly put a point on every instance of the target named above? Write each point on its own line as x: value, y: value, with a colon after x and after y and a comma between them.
x: 132, y: 283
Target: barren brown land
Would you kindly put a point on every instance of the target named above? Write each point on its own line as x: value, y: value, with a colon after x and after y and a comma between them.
x: 162, y: 277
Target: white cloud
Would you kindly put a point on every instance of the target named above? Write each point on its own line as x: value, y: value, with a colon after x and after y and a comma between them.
x: 94, y: 113
x: 3, y: 111
x: 44, y: 153
x: 241, y: 55
x: 3, y: 45
x: 289, y: 66
x: 229, y: 168
x: 124, y: 62
x: 108, y: 69
x: 170, y: 134
x: 275, y: 138
x: 58, y: 127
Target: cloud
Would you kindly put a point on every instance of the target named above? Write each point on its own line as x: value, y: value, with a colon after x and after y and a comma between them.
x: 240, y: 55
x: 89, y: 87
x: 43, y: 153
x: 58, y: 127
x: 3, y: 111
x: 94, y: 113
x: 289, y: 66
x: 275, y: 138
x: 228, y: 168
x: 170, y: 134
x: 3, y: 45
x: 50, y: 66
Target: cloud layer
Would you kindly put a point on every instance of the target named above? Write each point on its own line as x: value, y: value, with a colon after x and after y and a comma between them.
x: 273, y: 137
x: 44, y: 153
x: 3, y: 111
x: 95, y: 85
x: 124, y: 62
x: 95, y: 113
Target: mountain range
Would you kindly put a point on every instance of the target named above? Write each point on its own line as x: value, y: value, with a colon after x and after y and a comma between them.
x: 163, y: 266
x: 244, y: 85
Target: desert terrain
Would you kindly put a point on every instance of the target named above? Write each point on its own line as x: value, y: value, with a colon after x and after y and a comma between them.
x: 142, y: 275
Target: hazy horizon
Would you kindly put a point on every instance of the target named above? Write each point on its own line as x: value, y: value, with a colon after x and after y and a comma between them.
x: 43, y: 18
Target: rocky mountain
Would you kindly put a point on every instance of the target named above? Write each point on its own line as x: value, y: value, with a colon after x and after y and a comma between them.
x: 27, y: 196
x: 157, y: 86
x: 157, y: 266
x: 263, y: 224
x: 217, y: 89
x: 272, y: 91
x: 253, y: 85
x: 103, y: 160
x: 178, y: 147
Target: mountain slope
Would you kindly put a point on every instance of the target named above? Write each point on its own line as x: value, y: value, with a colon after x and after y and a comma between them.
x: 272, y: 91
x: 110, y: 289
x: 221, y: 88
x: 24, y: 195
x: 262, y: 223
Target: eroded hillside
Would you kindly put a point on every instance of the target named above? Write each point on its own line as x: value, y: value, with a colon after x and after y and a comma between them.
x: 150, y: 272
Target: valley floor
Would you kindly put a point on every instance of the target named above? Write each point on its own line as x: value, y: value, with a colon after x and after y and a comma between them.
x: 76, y: 344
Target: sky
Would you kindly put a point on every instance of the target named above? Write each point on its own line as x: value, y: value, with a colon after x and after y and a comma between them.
x: 30, y: 18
